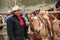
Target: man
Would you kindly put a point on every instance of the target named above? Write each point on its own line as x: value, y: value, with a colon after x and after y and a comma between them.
x: 16, y: 27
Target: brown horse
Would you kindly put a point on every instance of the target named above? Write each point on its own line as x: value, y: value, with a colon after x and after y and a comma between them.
x: 56, y: 16
x: 38, y: 29
x: 53, y: 25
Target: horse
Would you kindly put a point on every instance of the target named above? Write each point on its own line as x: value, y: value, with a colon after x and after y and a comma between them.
x: 37, y: 30
x: 53, y: 25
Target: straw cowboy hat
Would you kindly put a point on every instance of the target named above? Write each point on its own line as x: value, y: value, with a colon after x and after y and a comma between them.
x: 16, y: 7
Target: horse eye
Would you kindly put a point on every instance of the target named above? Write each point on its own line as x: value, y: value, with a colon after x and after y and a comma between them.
x: 32, y: 20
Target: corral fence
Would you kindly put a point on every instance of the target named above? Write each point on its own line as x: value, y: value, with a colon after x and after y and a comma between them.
x: 3, y: 32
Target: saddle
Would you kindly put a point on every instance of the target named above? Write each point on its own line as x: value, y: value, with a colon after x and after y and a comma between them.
x: 51, y: 18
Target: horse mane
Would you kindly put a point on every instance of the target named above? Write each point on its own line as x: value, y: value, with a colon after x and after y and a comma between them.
x: 51, y: 9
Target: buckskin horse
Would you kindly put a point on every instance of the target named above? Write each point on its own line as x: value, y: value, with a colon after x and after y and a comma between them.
x: 53, y: 25
x: 38, y: 29
x: 56, y: 22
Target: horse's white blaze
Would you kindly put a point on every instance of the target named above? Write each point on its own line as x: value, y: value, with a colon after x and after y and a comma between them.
x: 34, y: 17
x: 41, y: 26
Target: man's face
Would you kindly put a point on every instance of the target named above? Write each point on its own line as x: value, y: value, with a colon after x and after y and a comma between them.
x: 17, y: 12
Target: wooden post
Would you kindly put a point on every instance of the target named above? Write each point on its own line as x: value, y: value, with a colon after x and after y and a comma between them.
x: 53, y: 12
x: 15, y: 2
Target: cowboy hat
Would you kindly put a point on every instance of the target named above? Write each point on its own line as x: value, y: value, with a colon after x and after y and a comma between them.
x: 16, y: 7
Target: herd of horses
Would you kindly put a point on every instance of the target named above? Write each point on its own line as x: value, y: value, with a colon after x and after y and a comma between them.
x: 42, y: 25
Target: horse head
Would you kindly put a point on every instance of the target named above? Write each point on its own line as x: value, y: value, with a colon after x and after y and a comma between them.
x: 35, y: 22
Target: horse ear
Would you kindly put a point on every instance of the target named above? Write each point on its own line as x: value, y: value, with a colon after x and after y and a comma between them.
x: 39, y: 11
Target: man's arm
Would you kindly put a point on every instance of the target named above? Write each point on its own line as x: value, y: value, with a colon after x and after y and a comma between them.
x: 10, y: 29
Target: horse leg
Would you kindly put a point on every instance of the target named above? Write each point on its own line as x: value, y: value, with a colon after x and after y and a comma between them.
x: 42, y: 38
x: 50, y: 37
x: 32, y: 37
x: 55, y: 36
